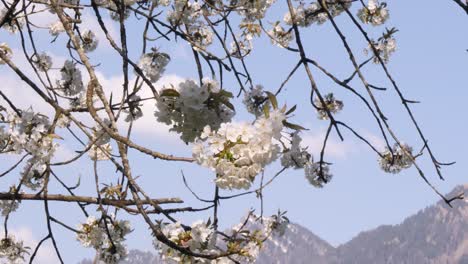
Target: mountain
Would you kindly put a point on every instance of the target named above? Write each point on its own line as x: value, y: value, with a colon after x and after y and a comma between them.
x: 135, y: 256
x: 437, y: 234
x: 297, y: 245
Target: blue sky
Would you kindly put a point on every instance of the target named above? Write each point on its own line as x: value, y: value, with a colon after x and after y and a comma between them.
x: 429, y: 65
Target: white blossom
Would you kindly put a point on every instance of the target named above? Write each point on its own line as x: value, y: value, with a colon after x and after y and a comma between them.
x: 6, y: 51
x: 238, y: 152
x: 200, y: 35
x: 101, y: 148
x: 63, y: 121
x: 374, y: 13
x: 188, y: 108
x: 13, y: 251
x: 329, y: 103
x: 279, y: 36
x: 305, y: 16
x: 296, y: 156
x: 184, y: 12
x: 106, y: 236
x: 56, y: 28
x: 245, y: 239
x: 153, y: 64
x: 4, y: 139
x: 384, y: 47
x: 43, y: 62
x: 396, y: 159
x: 134, y: 110
x: 14, y: 22
x: 241, y: 48
x: 29, y: 132
x: 317, y: 173
x: 33, y: 173
x: 71, y: 82
x: 89, y: 41
x: 254, y: 100
x: 114, y: 11
x: 100, y: 152
x: 253, y: 10
x: 200, y: 238
x: 7, y: 206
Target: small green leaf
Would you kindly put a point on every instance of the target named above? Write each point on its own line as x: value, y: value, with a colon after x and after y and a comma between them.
x: 291, y: 110
x: 293, y: 126
x: 170, y: 92
x: 273, y: 100
x: 266, y: 109
x: 226, y: 94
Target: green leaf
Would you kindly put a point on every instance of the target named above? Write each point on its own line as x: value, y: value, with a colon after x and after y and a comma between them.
x: 266, y: 109
x: 291, y: 110
x: 170, y: 92
x: 293, y: 126
x: 273, y: 100
x: 226, y: 94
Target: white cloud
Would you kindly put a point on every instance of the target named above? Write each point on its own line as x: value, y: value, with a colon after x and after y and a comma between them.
x: 375, y: 140
x: 335, y: 149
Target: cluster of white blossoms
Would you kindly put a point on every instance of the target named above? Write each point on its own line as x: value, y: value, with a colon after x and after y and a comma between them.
x: 242, y: 44
x: 114, y: 11
x: 255, y: 99
x: 188, y: 108
x: 184, y: 12
x: 43, y: 62
x: 100, y: 148
x: 115, y: 15
x: 280, y: 36
x: 318, y: 173
x: 7, y: 206
x: 188, y: 13
x: 374, y: 13
x: 71, y: 83
x: 238, y: 152
x: 63, y: 121
x: 134, y: 110
x: 200, y: 238
x: 153, y: 64
x: 276, y: 224
x: 248, y: 237
x: 384, y: 47
x: 29, y: 133
x: 295, y: 156
x: 329, y: 103
x: 12, y: 251
x: 106, y: 236
x: 305, y: 16
x: 89, y: 41
x: 243, y: 241
x: 298, y: 157
x: 241, y: 47
x: 200, y: 35
x: 56, y: 28
x: 253, y: 10
x: 6, y: 51
x: 14, y: 22
x: 396, y: 159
